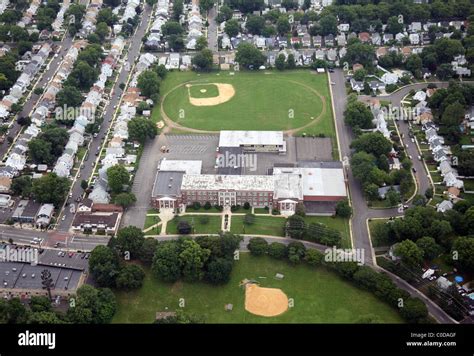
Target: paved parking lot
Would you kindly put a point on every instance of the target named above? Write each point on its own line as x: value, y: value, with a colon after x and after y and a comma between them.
x: 194, y: 147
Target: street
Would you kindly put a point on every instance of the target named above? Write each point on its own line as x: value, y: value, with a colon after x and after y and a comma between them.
x: 108, y: 115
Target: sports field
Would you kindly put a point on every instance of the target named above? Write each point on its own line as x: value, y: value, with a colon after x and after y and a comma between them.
x: 318, y: 295
x: 247, y: 101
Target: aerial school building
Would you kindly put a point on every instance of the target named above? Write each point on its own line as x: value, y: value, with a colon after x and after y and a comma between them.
x: 317, y: 185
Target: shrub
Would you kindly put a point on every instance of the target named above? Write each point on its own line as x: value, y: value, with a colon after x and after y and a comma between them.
x: 277, y: 250
x: 257, y: 246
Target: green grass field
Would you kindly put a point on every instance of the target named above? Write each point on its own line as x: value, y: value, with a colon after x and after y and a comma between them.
x: 273, y: 101
x: 211, y: 227
x: 319, y: 295
x: 337, y: 223
x: 263, y: 225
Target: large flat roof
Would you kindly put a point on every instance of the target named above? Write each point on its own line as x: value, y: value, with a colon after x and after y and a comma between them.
x: 223, y: 182
x: 186, y: 166
x: 167, y: 183
x: 241, y: 138
x: 317, y: 181
x: 288, y: 185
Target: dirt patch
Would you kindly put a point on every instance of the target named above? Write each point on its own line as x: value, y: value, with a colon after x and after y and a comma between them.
x: 226, y: 92
x: 265, y: 301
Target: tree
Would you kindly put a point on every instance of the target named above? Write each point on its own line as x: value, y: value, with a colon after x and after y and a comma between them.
x: 295, y: 227
x: 429, y: 247
x: 328, y: 25
x: 393, y: 197
x: 255, y: 24
x: 117, y: 177
x: 44, y: 317
x: 360, y: 75
x: 161, y: 71
x: 232, y: 28
x: 104, y: 266
x: 102, y: 30
x: 362, y: 53
x: 83, y: 76
x: 130, y: 240
x: 130, y: 277
x: 343, y: 209
x: 183, y: 227
x: 444, y: 71
x: 125, y: 199
x: 218, y: 271
x: 290, y: 61
x: 225, y: 13
x: 202, y: 61
x: 249, y: 219
x: 257, y: 246
x: 463, y: 251
x: 69, y: 96
x: 166, y: 261
x: 283, y: 25
x: 172, y: 28
x: 358, y: 115
x: 47, y: 282
x: 374, y: 143
x: 280, y: 62
x: 201, y: 43
x: 192, y: 259
x: 313, y: 257
x: 414, y: 310
x: 93, y: 306
x: 414, y: 64
x: 149, y: 83
x: 50, y: 189
x: 394, y: 26
x: 147, y: 251
x: 141, y: 129
x: 409, y: 253
x: 40, y: 304
x: 248, y: 56
x: 22, y: 186
x: 446, y: 49
x: 177, y: 9
x: 296, y: 251
x: 206, y: 5
x: 277, y: 250
x: 429, y: 193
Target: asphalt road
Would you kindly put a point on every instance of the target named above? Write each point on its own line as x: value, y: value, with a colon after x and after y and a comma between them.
x: 361, y: 212
x: 108, y: 115
x: 32, y: 100
x: 212, y: 42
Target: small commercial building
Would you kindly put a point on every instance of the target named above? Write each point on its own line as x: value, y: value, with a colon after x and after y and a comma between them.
x: 254, y: 141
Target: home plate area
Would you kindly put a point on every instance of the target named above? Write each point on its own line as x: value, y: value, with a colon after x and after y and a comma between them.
x: 265, y: 301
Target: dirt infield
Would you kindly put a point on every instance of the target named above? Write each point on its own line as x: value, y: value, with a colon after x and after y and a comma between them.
x: 226, y: 92
x: 265, y: 301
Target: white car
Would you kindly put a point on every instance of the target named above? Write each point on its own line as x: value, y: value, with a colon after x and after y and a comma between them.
x: 63, y: 218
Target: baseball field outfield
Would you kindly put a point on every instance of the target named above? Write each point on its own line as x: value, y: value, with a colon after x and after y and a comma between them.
x: 317, y: 295
x: 294, y: 101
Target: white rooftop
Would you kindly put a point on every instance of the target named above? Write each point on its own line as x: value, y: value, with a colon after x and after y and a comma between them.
x: 318, y: 181
x: 222, y: 182
x: 189, y: 167
x: 240, y: 138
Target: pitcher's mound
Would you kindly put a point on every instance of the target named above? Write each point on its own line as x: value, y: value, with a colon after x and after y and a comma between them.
x: 265, y: 301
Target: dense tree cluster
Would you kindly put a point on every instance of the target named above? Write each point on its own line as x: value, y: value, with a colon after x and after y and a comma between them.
x: 208, y: 258
x: 411, y: 309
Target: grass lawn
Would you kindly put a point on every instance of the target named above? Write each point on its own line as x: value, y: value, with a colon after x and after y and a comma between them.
x: 468, y: 184
x: 267, y: 100
x: 151, y: 220
x: 213, y: 226
x: 372, y: 226
x: 213, y: 209
x: 263, y: 225
x: 320, y: 296
x: 337, y: 223
x: 261, y: 211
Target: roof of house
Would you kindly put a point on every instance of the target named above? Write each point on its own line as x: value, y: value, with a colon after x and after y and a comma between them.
x: 240, y: 138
